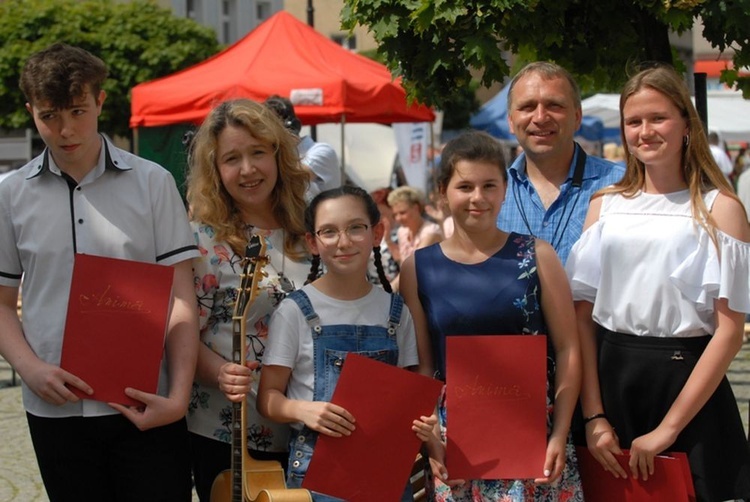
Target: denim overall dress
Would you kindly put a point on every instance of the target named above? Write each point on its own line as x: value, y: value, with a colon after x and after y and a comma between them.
x: 331, y: 344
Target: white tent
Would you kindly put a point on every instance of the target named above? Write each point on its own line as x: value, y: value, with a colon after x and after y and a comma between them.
x: 728, y: 113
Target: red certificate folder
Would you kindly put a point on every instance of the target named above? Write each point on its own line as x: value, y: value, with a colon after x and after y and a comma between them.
x: 671, y: 480
x: 374, y: 463
x: 496, y: 406
x: 115, y: 327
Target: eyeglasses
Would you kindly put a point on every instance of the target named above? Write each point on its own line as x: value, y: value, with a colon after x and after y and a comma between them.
x: 355, y: 233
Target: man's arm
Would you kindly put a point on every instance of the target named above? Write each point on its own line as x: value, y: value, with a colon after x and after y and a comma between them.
x: 181, y: 353
x: 46, y: 380
x: 322, y: 160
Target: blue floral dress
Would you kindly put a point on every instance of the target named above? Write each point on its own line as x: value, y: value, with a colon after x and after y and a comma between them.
x: 500, y: 295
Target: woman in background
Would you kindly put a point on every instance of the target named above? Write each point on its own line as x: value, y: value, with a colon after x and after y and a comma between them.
x: 389, y: 253
x: 415, y: 231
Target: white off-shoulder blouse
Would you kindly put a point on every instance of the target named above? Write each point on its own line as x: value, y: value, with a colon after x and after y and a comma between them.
x: 650, y: 269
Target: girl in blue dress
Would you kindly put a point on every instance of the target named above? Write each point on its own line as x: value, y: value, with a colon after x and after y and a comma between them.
x: 482, y: 280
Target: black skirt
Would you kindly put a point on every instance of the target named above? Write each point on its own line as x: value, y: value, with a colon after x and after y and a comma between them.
x: 640, y: 378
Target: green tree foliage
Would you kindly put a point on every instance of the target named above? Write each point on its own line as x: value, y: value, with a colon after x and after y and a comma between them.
x: 139, y: 41
x: 458, y: 107
x: 434, y: 44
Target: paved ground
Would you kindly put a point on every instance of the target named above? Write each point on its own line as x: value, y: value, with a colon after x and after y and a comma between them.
x: 19, y: 475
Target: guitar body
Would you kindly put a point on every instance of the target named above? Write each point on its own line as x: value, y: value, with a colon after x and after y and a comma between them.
x: 286, y: 495
x: 221, y: 490
x: 250, y: 480
x: 260, y: 473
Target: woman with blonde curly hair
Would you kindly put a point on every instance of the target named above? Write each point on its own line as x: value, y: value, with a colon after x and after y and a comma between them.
x: 663, y: 270
x: 245, y: 179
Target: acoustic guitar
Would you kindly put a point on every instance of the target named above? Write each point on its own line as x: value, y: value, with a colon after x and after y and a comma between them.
x: 250, y: 480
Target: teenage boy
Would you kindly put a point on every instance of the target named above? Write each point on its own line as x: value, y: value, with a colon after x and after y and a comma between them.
x: 84, y: 195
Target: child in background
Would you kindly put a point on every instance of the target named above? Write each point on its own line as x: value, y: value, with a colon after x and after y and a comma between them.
x: 339, y: 313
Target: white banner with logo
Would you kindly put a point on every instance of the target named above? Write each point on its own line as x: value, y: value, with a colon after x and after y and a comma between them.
x: 413, y: 141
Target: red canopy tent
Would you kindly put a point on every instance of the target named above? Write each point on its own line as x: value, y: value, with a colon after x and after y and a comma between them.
x: 283, y: 56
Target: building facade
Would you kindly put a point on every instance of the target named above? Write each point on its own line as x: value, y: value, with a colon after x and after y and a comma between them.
x: 233, y: 19
x: 230, y: 19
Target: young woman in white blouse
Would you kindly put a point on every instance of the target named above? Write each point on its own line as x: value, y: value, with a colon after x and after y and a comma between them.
x: 662, y: 274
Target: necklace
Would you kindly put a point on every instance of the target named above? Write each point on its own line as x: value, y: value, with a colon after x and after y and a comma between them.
x: 577, y: 183
x: 286, y: 284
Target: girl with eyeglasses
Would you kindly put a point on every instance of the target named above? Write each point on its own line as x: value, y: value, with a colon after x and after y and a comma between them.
x: 340, y: 312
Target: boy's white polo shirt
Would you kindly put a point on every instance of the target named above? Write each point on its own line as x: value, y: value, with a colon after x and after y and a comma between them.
x: 126, y: 207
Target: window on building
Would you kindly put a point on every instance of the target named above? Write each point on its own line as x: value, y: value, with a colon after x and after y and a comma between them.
x: 346, y: 41
x: 228, y: 21
x: 263, y: 11
x: 193, y: 10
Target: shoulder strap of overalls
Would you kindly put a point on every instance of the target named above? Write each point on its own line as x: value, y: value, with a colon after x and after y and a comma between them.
x: 394, y: 317
x: 303, y: 302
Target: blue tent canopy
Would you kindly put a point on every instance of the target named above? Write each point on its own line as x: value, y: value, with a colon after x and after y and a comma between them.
x: 492, y: 117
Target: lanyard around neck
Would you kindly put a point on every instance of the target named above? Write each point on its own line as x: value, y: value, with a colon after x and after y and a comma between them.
x: 577, y: 183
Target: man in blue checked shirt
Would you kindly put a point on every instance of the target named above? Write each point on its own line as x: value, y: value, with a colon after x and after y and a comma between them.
x: 550, y: 184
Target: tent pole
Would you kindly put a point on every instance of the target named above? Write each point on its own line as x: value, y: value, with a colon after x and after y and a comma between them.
x: 135, y: 140
x: 343, y: 155
x: 432, y: 167
x: 311, y: 23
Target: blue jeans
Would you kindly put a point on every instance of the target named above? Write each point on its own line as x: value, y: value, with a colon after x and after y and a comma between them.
x: 301, y: 448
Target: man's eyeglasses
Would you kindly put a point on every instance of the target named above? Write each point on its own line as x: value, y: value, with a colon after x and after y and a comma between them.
x: 355, y: 233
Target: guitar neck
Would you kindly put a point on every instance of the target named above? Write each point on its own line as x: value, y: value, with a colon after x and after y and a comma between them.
x: 239, y: 435
x: 250, y: 279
